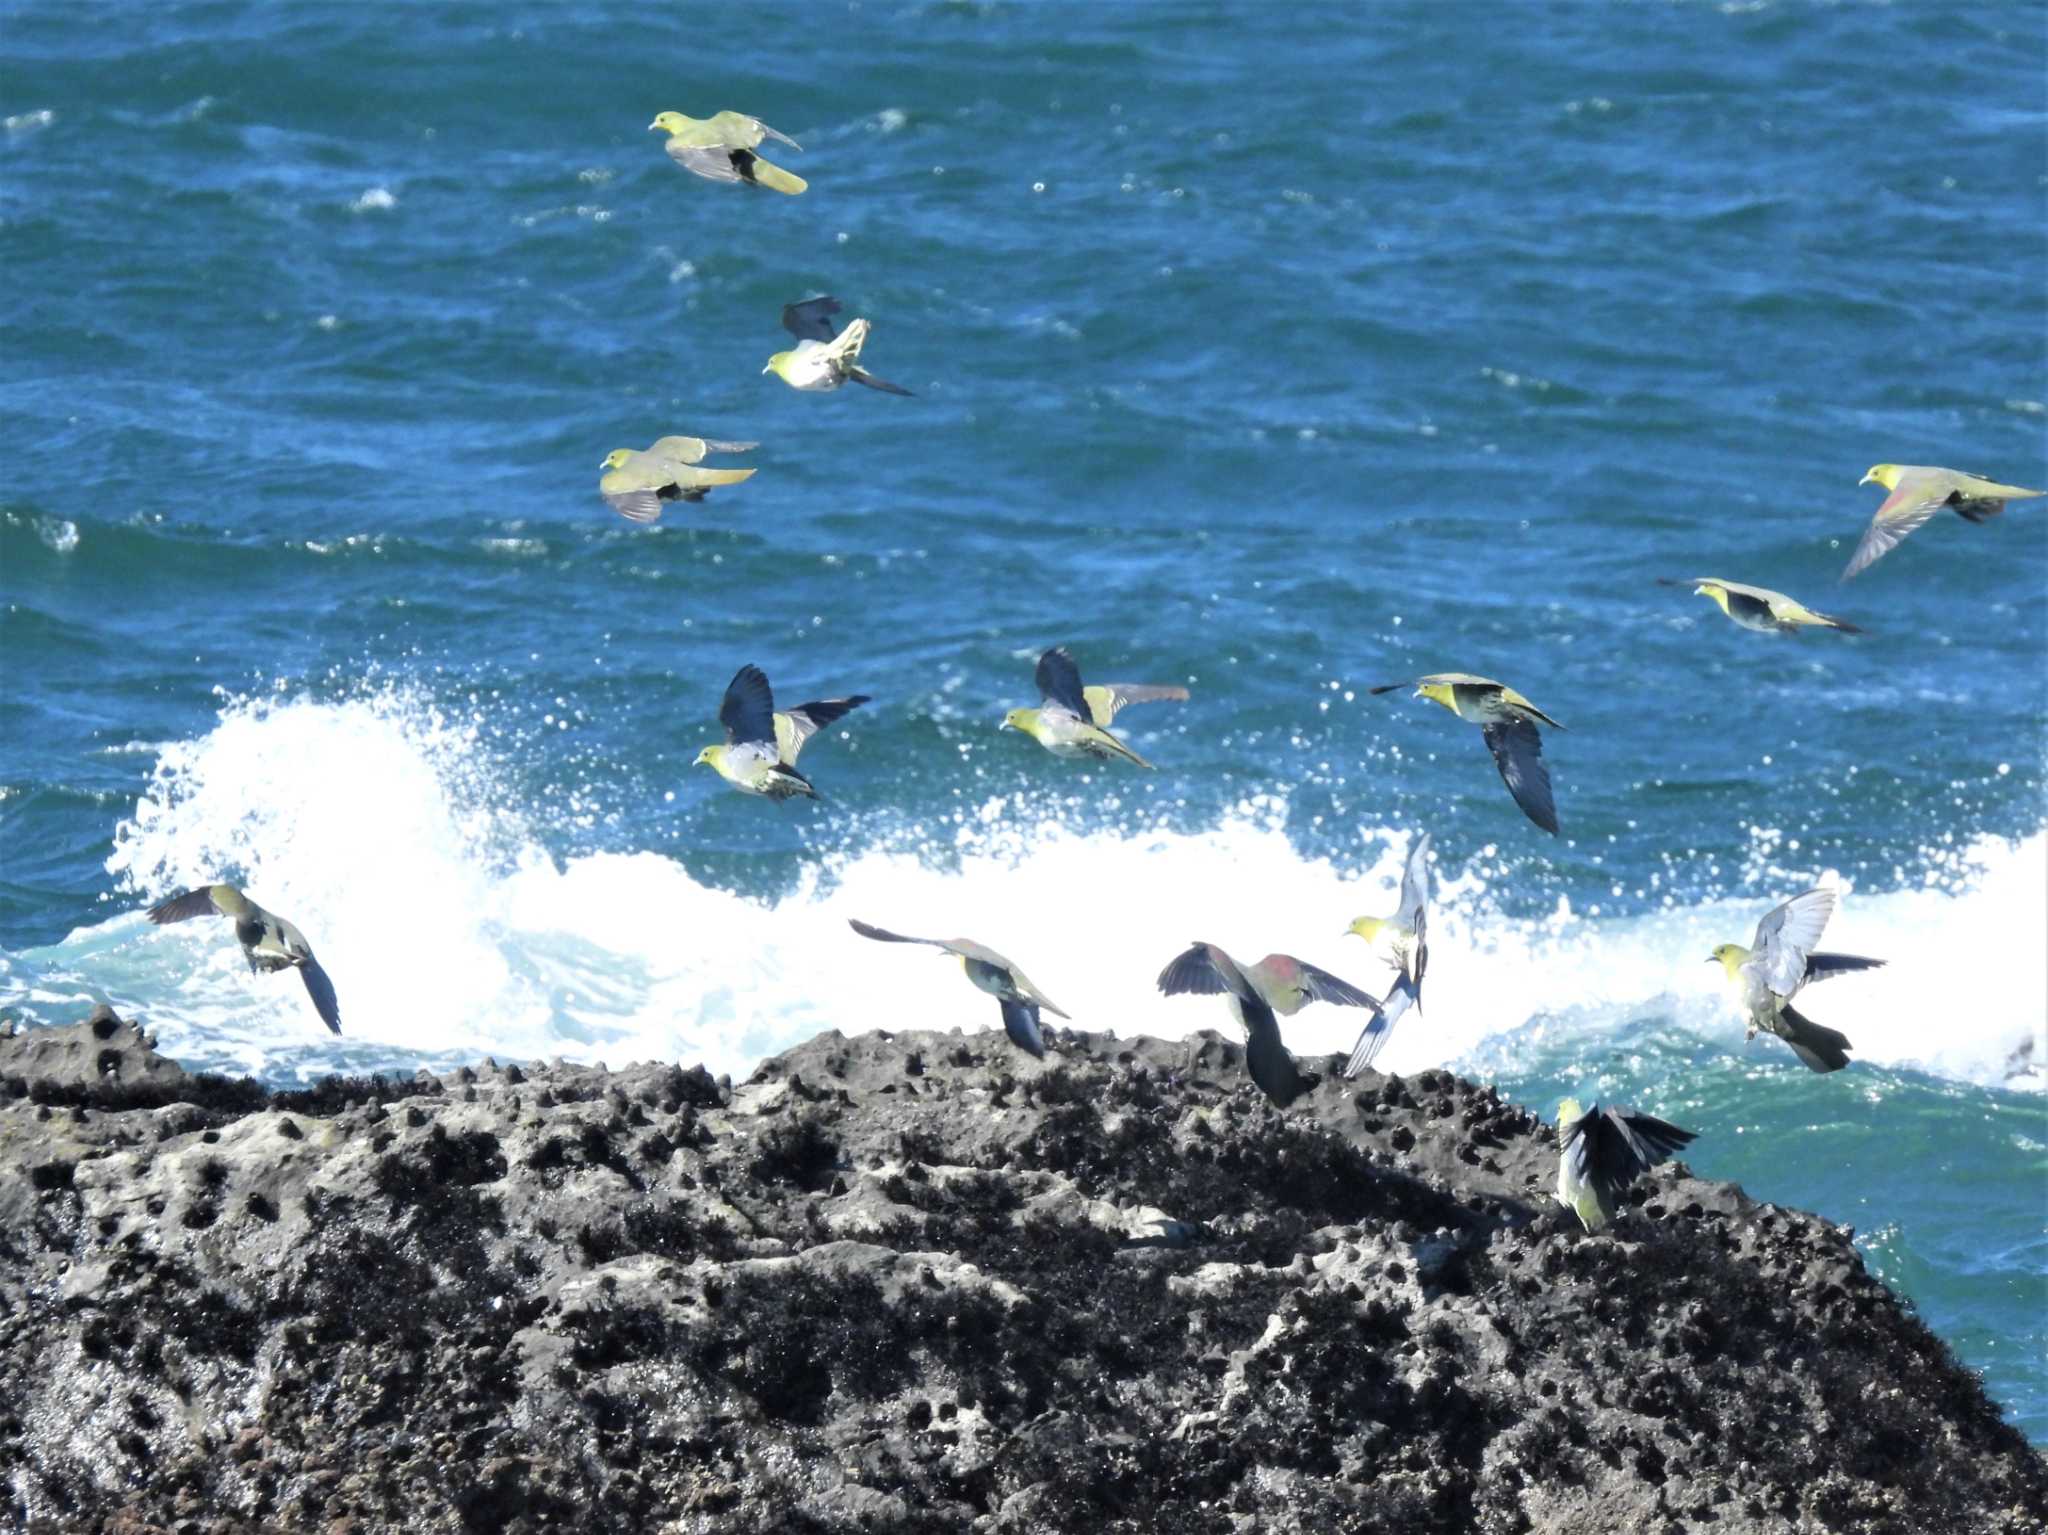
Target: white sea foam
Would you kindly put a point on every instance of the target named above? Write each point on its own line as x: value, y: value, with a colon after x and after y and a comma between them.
x: 375, y: 200
x: 452, y: 933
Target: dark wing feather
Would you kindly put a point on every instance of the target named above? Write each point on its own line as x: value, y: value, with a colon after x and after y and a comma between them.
x: 811, y: 320
x: 182, y: 908
x: 883, y: 935
x: 1059, y: 681
x: 321, y: 990
x: 1377, y: 1032
x: 862, y: 376
x: 1518, y: 753
x: 1650, y: 1140
x: 714, y: 164
x: 820, y: 712
x: 1194, y: 972
x: 1020, y: 1022
x: 748, y: 712
x: 1820, y: 966
x: 1321, y: 986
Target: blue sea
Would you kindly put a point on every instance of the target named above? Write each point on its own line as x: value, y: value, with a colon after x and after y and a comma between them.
x: 1276, y: 352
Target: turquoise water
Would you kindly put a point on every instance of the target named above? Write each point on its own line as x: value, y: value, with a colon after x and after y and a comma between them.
x: 1279, y: 354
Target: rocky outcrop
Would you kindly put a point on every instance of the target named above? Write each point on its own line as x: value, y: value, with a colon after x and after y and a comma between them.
x: 921, y: 1282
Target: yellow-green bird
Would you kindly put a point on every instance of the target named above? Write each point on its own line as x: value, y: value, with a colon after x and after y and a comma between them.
x: 1020, y: 1000
x: 1404, y: 938
x: 1073, y: 720
x: 1760, y: 608
x: 761, y: 746
x: 1507, y: 720
x: 637, y: 482
x: 1779, y: 961
x: 1602, y: 1151
x: 721, y: 148
x: 1278, y: 984
x: 268, y: 942
x: 1918, y: 491
x: 824, y: 358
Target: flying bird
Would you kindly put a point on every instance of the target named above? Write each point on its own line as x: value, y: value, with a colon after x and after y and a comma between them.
x: 824, y: 358
x: 1404, y: 938
x: 268, y: 941
x: 1073, y: 721
x: 1507, y: 721
x: 761, y: 746
x: 1760, y: 608
x: 1918, y: 491
x: 721, y: 148
x: 1602, y: 1151
x: 1020, y: 1000
x: 1277, y: 984
x: 636, y: 483
x: 1778, y: 962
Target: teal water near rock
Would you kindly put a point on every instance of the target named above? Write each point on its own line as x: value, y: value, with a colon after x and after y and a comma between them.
x: 1275, y: 360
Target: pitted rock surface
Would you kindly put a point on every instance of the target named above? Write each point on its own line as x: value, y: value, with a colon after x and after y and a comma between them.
x: 921, y: 1282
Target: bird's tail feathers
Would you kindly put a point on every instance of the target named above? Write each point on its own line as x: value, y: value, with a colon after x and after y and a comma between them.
x: 768, y: 174
x: 1821, y: 1048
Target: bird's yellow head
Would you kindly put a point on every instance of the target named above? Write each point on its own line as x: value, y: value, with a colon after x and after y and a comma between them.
x: 779, y: 364
x: 1440, y: 691
x: 1569, y: 1112
x: 616, y: 459
x: 1886, y: 475
x: 1367, y: 928
x: 710, y: 754
x: 1020, y: 719
x: 1731, y: 956
x: 669, y: 122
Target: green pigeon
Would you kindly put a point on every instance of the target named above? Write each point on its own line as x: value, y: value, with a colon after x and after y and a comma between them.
x: 636, y: 483
x: 1602, y: 1151
x: 1404, y: 937
x: 1073, y: 720
x: 1918, y: 491
x: 1279, y: 984
x: 721, y: 148
x: 1021, y: 1001
x: 1760, y: 608
x: 1508, y: 721
x: 761, y: 746
x: 268, y: 942
x: 1777, y: 963
x: 824, y: 358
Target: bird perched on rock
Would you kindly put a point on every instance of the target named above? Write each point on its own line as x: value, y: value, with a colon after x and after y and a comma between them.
x: 636, y: 483
x: 268, y: 941
x: 721, y: 148
x: 1073, y: 721
x: 1507, y: 720
x: 1277, y: 984
x: 1404, y: 939
x: 824, y: 358
x: 1778, y: 962
x: 1603, y: 1151
x: 1918, y: 491
x: 761, y: 746
x: 1760, y: 608
x: 1021, y: 1001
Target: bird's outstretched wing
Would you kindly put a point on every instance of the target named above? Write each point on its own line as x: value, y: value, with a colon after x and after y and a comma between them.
x: 748, y: 710
x: 1786, y: 936
x: 1819, y: 967
x: 1321, y: 986
x: 798, y: 725
x: 1608, y: 1149
x: 641, y: 505
x: 1020, y: 1022
x: 1915, y: 499
x: 182, y: 908
x: 1415, y: 887
x: 1196, y: 971
x: 861, y: 376
x: 883, y: 935
x: 714, y: 163
x: 811, y: 320
x: 1105, y: 698
x: 691, y: 450
x: 1059, y: 681
x: 1380, y: 1028
x: 321, y: 990
x: 1518, y: 753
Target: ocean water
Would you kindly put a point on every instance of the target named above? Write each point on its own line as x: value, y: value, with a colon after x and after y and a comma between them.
x: 1276, y: 355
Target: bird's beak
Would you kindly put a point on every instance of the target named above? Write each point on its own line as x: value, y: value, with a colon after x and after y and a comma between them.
x: 1866, y: 479
x: 652, y: 126
x: 1713, y: 959
x: 769, y: 369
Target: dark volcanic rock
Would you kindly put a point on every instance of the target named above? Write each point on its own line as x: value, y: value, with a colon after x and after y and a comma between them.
x: 922, y: 1283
